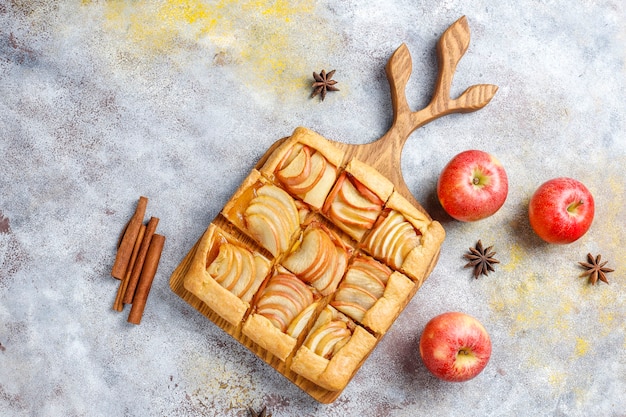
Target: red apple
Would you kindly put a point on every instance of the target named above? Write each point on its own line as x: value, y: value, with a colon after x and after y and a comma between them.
x: 561, y: 210
x: 455, y: 347
x: 472, y: 186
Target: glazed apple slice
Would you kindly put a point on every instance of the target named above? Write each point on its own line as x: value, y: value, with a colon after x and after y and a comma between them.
x: 295, y: 288
x: 285, y: 201
x: 372, y: 267
x: 272, y: 218
x: 222, y: 264
x: 319, y: 260
x: 297, y: 170
x: 355, y: 294
x: 360, y: 198
x: 352, y: 208
x: 314, y: 339
x: 276, y: 314
x: 315, y: 174
x: 298, y: 324
x: 392, y: 239
x: 246, y: 275
x: 332, y: 334
x: 283, y: 299
x: 351, y: 309
x: 228, y: 277
x: 348, y: 215
x: 364, y: 279
x: 257, y: 279
x: 311, y: 253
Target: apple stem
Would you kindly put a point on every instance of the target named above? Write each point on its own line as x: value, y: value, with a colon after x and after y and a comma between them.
x: 476, y: 180
x: 572, y: 207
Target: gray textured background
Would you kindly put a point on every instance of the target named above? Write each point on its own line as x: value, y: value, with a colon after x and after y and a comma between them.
x: 101, y: 102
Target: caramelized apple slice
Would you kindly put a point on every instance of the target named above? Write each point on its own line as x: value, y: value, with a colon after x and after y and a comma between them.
x: 355, y: 294
x: 272, y: 218
x: 351, y: 309
x: 324, y: 338
x: 297, y: 170
x: 354, y: 208
x: 319, y: 260
x: 226, y: 269
x: 283, y: 299
x: 299, y: 323
x: 363, y: 278
x: 392, y: 239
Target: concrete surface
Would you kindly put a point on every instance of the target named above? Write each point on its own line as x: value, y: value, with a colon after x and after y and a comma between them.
x: 104, y: 101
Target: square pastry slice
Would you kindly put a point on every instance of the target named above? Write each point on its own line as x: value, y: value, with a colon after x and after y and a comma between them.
x: 224, y: 274
x: 357, y: 199
x: 333, y: 350
x: 319, y: 257
x: 283, y: 310
x: 265, y: 212
x: 372, y: 294
x: 404, y: 238
x: 306, y: 165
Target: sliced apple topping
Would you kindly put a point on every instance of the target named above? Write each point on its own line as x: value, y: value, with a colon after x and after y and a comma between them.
x: 392, y: 239
x: 319, y: 260
x: 352, y: 206
x: 307, y: 174
x: 237, y: 269
x: 331, y: 332
x: 227, y: 266
x: 298, y: 324
x: 296, y: 170
x: 362, y: 286
x: 272, y: 218
x: 283, y: 299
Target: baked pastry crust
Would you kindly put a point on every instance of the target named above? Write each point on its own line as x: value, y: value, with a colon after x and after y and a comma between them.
x: 371, y: 178
x: 334, y: 374
x: 200, y: 283
x: 263, y: 333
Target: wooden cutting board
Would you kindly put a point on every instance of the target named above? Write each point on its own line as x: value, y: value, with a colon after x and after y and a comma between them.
x: 384, y: 155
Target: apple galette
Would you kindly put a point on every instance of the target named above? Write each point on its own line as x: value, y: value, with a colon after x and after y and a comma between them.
x: 357, y: 199
x: 284, y: 308
x: 372, y: 294
x: 264, y: 212
x: 225, y: 274
x: 333, y: 350
x: 328, y: 256
x: 306, y: 165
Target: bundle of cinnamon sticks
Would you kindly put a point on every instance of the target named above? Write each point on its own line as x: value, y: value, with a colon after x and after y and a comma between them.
x: 136, y: 262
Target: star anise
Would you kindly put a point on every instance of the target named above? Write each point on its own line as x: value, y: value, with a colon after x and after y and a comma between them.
x: 323, y: 83
x: 481, y: 259
x: 594, y: 269
x: 262, y: 413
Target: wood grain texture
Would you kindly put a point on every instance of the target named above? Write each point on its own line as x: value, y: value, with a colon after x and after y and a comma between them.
x: 383, y: 155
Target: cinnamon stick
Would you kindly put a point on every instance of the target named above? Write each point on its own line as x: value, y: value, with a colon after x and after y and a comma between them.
x: 118, y: 305
x: 125, y: 249
x: 139, y: 262
x: 147, y: 276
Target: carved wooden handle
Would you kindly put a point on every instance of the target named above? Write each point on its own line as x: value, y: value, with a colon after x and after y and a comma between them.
x: 385, y: 153
x: 450, y: 49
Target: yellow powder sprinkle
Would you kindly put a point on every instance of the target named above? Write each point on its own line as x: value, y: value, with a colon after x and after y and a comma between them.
x: 262, y: 39
x: 582, y: 346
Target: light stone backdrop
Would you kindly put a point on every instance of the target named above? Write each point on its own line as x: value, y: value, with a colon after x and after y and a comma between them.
x: 104, y: 101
